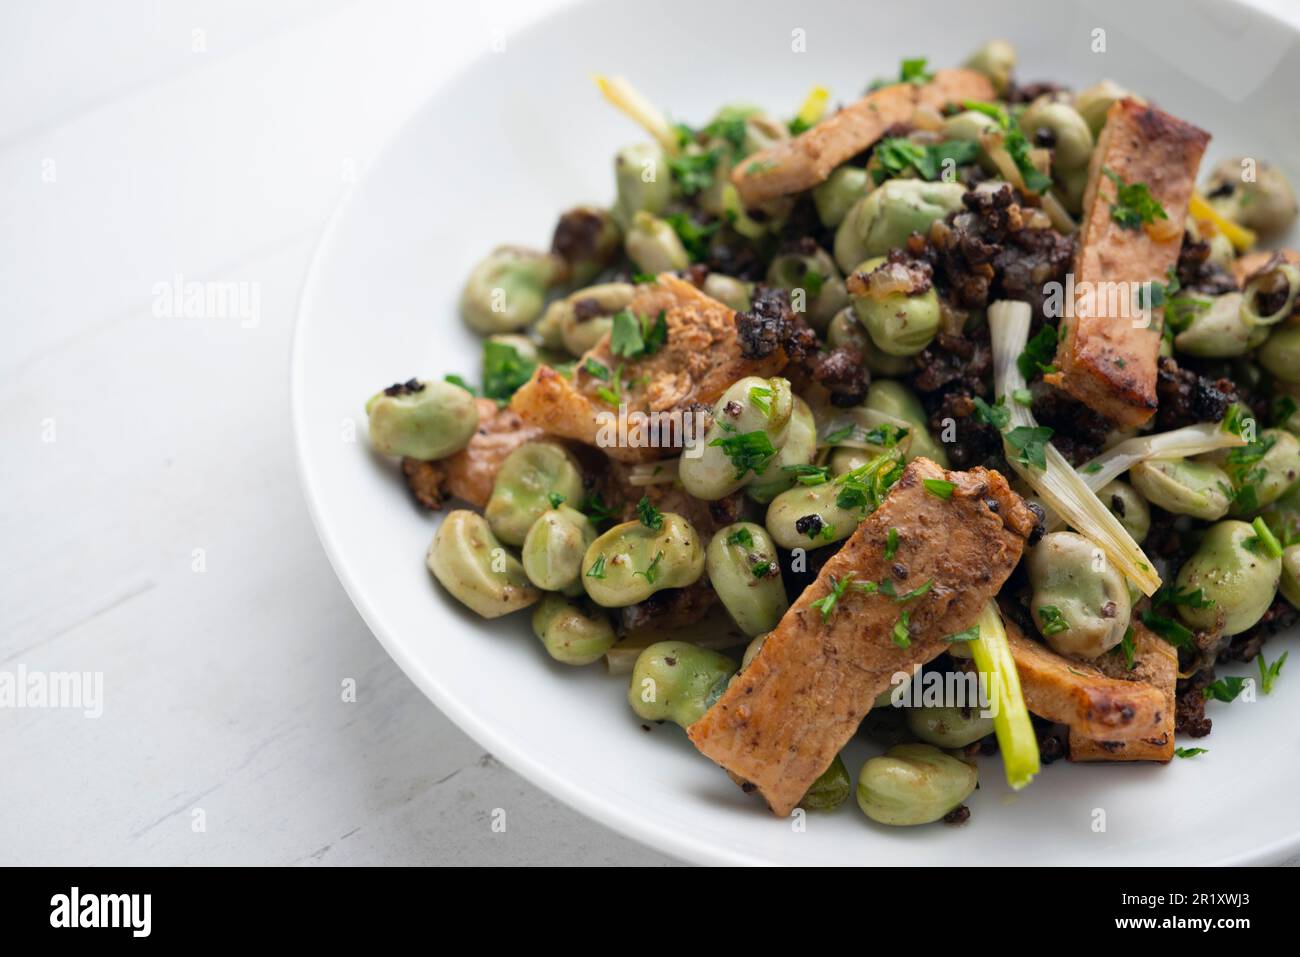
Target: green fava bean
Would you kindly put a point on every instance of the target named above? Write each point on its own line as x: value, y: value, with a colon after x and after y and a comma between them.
x: 946, y: 727
x: 884, y: 218
x: 1263, y: 202
x: 642, y: 180
x: 812, y: 516
x: 899, y: 324
x: 1184, y: 487
x: 1071, y: 137
x: 506, y: 291
x: 831, y: 789
x: 898, y: 401
x: 750, y: 420
x: 1081, y: 602
x: 1094, y: 102
x: 744, y: 570
x: 1235, y: 572
x: 1283, y: 517
x: 1128, y: 507
x: 913, y: 784
x: 424, y: 420
x: 581, y: 319
x: 846, y: 332
x: 678, y: 682
x: 799, y: 448
x: 1280, y: 354
x: 527, y: 478
x: 728, y: 290
x: 1259, y: 481
x: 654, y: 246
x: 554, y: 548
x: 631, y: 562
x: 469, y: 561
x: 1218, y: 331
x: 1290, y: 582
x: 569, y: 634
x: 835, y: 197
x: 997, y: 61
x: 813, y: 280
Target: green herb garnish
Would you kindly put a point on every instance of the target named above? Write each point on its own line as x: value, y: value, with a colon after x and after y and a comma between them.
x: 650, y: 516
x: 1134, y: 205
x: 597, y: 569
x: 939, y: 487
x: 1052, y: 621
x: 1225, y: 689
x: 748, y: 451
x: 1030, y: 443
x: 891, y: 544
x: 741, y: 537
x: 1269, y: 673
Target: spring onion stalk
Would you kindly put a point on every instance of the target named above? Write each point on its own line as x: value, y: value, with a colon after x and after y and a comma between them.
x: 739, y: 219
x: 1060, y: 486
x: 632, y: 103
x: 1240, y: 237
x: 653, y: 473
x: 857, y: 428
x: 1015, y: 733
x: 1062, y: 221
x: 814, y: 105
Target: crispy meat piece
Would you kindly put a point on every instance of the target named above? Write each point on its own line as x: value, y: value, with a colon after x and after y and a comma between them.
x: 798, y: 164
x: 702, y: 356
x: 1081, y: 695
x: 469, y: 474
x: 1105, y: 360
x: 1155, y: 663
x: 783, y: 719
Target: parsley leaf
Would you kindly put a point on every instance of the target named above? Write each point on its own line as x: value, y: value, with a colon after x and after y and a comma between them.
x: 650, y: 516
x: 457, y: 380
x: 826, y: 604
x: 555, y: 498
x: 597, y: 569
x: 1174, y: 632
x: 900, y: 634
x: 504, y: 370
x: 809, y: 474
x: 940, y: 487
x: 1269, y: 673
x: 913, y: 71
x: 1038, y: 354
x: 891, y: 544
x: 633, y: 336
x: 741, y: 537
x: 694, y: 236
x: 761, y: 397
x: 1030, y: 443
x: 970, y: 634
x: 1225, y: 689
x: 748, y: 451
x: 652, y: 570
x: 1134, y: 205
x: 1190, y: 752
x: 693, y: 171
x: 1051, y: 620
x: 998, y: 416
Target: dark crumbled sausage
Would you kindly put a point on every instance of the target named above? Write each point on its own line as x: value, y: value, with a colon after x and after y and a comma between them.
x: 1079, y: 431
x: 1189, y: 714
x: 1245, y: 646
x: 1017, y: 94
x: 578, y: 235
x: 958, y: 815
x: 1187, y: 398
x: 765, y: 327
x: 841, y: 372
x: 1196, y: 273
x: 409, y: 387
x: 809, y: 525
x: 1053, y: 741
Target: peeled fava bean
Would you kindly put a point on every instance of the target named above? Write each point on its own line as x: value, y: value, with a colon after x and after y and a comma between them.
x: 1081, y: 602
x: 643, y: 182
x: 526, y: 480
x: 799, y: 448
x: 997, y: 61
x: 654, y: 245
x: 745, y: 572
x: 1183, y: 486
x: 571, y: 634
x: 913, y: 784
x: 1218, y: 331
x: 581, y: 319
x: 750, y: 420
x: 897, y: 400
x: 630, y: 562
x: 505, y: 291
x: 899, y: 324
x: 1094, y: 102
x: 811, y: 516
x: 554, y: 548
x: 835, y: 197
x: 1235, y: 573
x: 1290, y: 583
x: 809, y: 269
x: 424, y: 420
x: 847, y: 332
x: 728, y: 290
x: 1280, y: 354
x: 678, y: 682
x: 1068, y: 131
x: 1256, y: 195
x: 946, y: 727
x: 469, y: 561
x: 884, y: 218
x: 1267, y: 477
x: 1128, y: 507
x: 831, y: 789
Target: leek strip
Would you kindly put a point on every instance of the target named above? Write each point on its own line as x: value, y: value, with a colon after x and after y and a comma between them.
x: 1061, y: 488
x: 1240, y: 237
x: 653, y: 473
x: 1011, y: 724
x: 640, y: 110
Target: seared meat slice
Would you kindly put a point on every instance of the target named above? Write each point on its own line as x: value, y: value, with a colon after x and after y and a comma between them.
x: 795, y: 165
x: 1107, y: 359
x: 1155, y: 663
x: 468, y: 474
x: 1251, y: 263
x: 1084, y: 697
x: 701, y: 357
x: 785, y: 717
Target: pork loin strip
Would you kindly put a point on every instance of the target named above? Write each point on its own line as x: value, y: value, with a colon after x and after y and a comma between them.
x: 1081, y: 695
x: 699, y: 360
x: 1105, y: 360
x: 470, y: 473
x: 1246, y: 267
x: 783, y: 720
x: 1155, y: 663
x: 809, y: 158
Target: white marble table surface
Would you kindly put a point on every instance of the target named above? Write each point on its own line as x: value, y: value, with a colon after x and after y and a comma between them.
x: 152, y: 527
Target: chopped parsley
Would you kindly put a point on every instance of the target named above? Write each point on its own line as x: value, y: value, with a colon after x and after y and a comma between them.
x: 1039, y: 353
x: 1051, y: 621
x: 742, y: 537
x: 900, y: 634
x: 1225, y: 689
x: 650, y: 516
x: 1235, y: 419
x: 748, y: 451
x: 913, y: 70
x: 1190, y: 752
x: 504, y: 370
x: 760, y: 569
x: 693, y: 171
x: 555, y: 498
x: 652, y: 570
x: 457, y: 380
x: 970, y: 634
x: 826, y: 604
x: 596, y: 369
x: 998, y: 416
x: 1134, y: 205
x: 897, y: 156
x: 597, y: 569
x: 1129, y: 648
x: 939, y: 487
x: 1263, y: 540
x: 1030, y: 443
x: 839, y: 435
x: 633, y: 336
x: 1172, y: 631
x: 694, y: 236
x: 731, y: 129
x: 891, y: 544
x: 867, y: 485
x: 809, y: 474
x: 1269, y: 673
x: 1023, y: 397
x: 886, y: 436
x: 812, y: 283
x: 761, y: 397
x: 594, y: 507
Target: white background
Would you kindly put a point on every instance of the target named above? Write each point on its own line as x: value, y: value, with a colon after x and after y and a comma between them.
x: 133, y: 150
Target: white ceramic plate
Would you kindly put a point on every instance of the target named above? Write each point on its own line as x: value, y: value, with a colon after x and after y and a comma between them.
x: 494, y: 157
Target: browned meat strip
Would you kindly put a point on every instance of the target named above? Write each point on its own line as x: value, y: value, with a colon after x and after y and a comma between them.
x: 785, y: 717
x: 1155, y: 663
